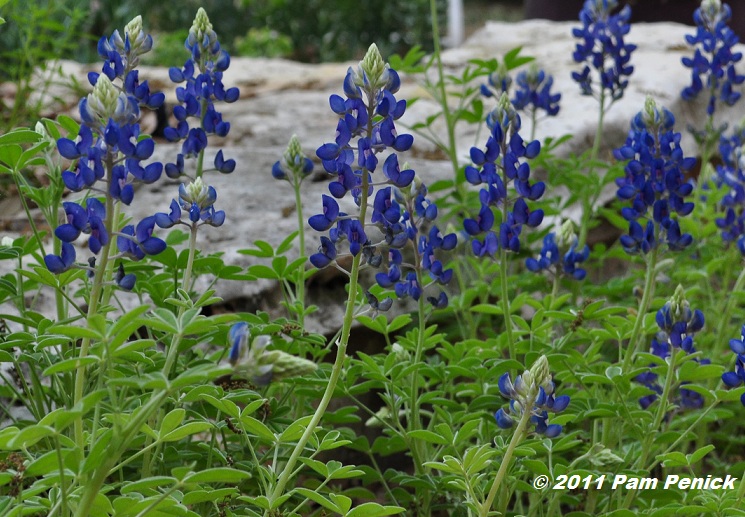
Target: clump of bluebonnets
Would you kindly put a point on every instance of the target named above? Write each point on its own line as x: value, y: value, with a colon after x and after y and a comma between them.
x: 654, y: 182
x: 107, y: 158
x: 678, y: 325
x: 532, y: 392
x: 735, y: 378
x: 603, y: 51
x: 559, y: 254
x: 713, y: 62
x: 202, y: 76
x: 366, y: 128
x: 497, y: 167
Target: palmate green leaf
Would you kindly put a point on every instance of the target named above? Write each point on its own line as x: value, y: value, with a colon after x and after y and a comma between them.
x: 67, y: 365
x: 257, y: 428
x: 318, y: 499
x: 172, y: 420
x: 374, y: 510
x: 228, y: 407
x: 263, y: 250
x: 29, y: 436
x: 286, y: 244
x: 146, y: 484
x: 205, y: 496
x: 427, y: 436
x: 217, y: 475
x: 185, y: 430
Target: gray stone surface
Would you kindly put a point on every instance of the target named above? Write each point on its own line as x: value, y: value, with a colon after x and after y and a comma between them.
x: 280, y: 98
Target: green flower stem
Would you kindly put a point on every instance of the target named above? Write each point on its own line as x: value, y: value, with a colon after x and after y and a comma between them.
x: 117, y: 447
x: 300, y: 283
x: 414, y: 422
x: 451, y: 149
x: 94, y: 302
x: 660, y: 415
x: 341, y: 351
x: 517, y: 437
x: 63, y: 483
x: 587, y: 202
x: 506, y: 302
x: 724, y: 321
x: 646, y: 300
x: 186, y: 282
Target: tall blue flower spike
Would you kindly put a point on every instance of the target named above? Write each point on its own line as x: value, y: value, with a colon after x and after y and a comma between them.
x: 497, y: 167
x: 400, y: 208
x: 713, y: 62
x: 731, y: 177
x: 737, y: 377
x: 532, y: 391
x: 678, y: 326
x: 654, y: 182
x: 109, y: 148
x: 602, y: 49
x: 559, y: 254
x: 533, y: 92
x: 258, y: 363
x: 203, y: 87
x: 197, y: 201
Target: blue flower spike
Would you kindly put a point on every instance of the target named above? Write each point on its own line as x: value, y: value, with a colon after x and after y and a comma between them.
x: 654, y: 182
x: 678, y: 324
x: 400, y: 208
x: 259, y: 364
x: 713, y: 63
x: 559, y: 254
x: 736, y: 378
x: 532, y: 391
x: 602, y: 50
x: 500, y: 165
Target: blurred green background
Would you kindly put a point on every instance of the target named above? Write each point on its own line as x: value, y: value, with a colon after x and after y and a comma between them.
x: 37, y: 32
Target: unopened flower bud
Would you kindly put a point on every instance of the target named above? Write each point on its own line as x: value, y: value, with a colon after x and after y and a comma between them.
x: 374, y: 68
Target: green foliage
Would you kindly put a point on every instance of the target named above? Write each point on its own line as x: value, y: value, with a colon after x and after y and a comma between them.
x: 36, y: 34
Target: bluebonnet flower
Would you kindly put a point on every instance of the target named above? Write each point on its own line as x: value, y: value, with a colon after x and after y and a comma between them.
x: 532, y: 391
x: 89, y: 221
x: 60, y: 263
x: 259, y: 364
x: 737, y: 377
x: 533, y: 92
x: 365, y: 129
x: 654, y: 182
x: 202, y: 77
x: 137, y: 242
x: 499, y: 165
x: 560, y: 255
x: 602, y: 48
x: 678, y: 326
x: 713, y: 63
